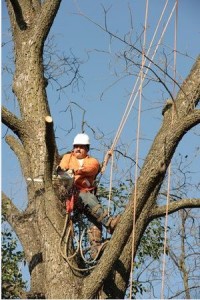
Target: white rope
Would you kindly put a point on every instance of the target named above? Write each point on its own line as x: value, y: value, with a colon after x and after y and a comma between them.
x: 169, y: 168
x: 137, y: 148
x: 110, y: 186
x: 130, y: 101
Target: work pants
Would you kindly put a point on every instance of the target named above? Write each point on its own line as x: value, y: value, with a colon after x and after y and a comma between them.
x: 92, y: 208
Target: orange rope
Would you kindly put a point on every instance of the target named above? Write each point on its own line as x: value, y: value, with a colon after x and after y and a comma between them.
x: 169, y: 168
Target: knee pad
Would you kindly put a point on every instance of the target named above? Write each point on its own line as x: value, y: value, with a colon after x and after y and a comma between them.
x: 99, y: 213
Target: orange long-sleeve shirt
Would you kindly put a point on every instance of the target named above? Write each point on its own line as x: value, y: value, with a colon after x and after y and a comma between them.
x: 85, y: 174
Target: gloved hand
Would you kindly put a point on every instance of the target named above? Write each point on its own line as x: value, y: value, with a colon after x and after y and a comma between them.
x: 59, y: 170
x: 70, y: 172
x: 64, y: 174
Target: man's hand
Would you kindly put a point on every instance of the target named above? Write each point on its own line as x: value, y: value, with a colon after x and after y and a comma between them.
x: 106, y: 159
x: 59, y: 169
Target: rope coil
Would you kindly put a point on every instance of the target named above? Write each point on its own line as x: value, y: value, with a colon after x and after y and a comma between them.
x: 67, y: 233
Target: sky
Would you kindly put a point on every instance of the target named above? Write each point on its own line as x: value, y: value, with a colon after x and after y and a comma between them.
x: 75, y: 31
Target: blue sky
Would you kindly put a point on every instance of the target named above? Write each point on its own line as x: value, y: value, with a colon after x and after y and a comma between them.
x: 77, y: 33
x: 102, y: 69
x: 83, y: 37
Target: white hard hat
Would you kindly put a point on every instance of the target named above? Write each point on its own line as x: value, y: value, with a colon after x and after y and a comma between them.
x: 81, y: 139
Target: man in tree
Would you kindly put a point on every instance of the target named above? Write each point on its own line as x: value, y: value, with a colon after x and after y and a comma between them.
x: 85, y: 169
x: 40, y: 225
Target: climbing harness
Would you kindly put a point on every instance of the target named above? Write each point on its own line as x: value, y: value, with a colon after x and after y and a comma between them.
x: 71, y: 199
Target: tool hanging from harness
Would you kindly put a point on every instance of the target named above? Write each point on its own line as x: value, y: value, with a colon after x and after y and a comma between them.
x: 70, y: 204
x: 67, y: 177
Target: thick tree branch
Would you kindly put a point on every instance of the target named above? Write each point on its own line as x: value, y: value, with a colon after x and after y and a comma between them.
x: 189, y: 94
x: 36, y: 4
x: 22, y: 14
x: 20, y: 153
x: 10, y: 211
x: 45, y: 19
x: 32, y: 15
x: 11, y: 121
x: 128, y: 254
x: 174, y: 206
x: 17, y: 9
x: 26, y: 230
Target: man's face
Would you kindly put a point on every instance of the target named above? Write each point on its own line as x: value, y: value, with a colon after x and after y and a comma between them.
x: 80, y: 151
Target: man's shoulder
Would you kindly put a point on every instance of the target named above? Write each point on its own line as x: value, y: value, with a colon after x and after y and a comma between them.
x: 93, y: 159
x: 67, y: 154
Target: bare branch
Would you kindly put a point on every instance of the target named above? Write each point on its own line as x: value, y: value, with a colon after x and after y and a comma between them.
x: 181, y: 292
x: 173, y: 256
x: 155, y: 74
x: 21, y: 222
x: 130, y: 158
x: 132, y: 46
x: 174, y: 206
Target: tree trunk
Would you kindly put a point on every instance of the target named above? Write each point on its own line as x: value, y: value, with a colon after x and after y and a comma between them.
x: 40, y: 226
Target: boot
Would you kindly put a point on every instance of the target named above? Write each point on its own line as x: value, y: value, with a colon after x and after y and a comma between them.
x: 95, y: 238
x: 112, y: 223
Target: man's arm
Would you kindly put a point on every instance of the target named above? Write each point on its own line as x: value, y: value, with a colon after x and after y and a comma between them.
x: 64, y: 164
x: 89, y: 169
